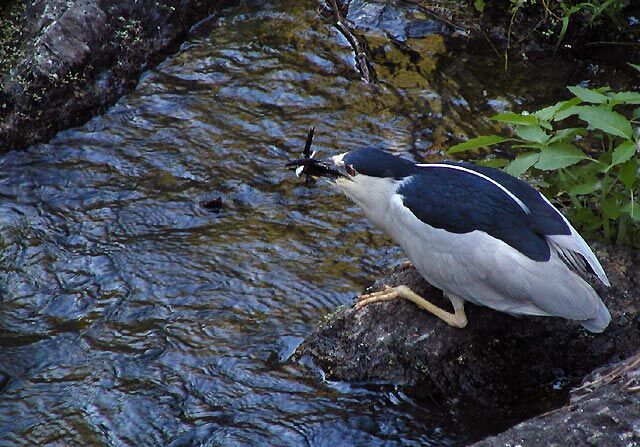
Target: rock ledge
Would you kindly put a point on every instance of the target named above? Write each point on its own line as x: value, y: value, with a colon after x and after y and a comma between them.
x: 76, y: 58
x: 510, y: 366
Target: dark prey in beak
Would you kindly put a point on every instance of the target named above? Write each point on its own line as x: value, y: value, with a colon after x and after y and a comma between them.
x: 306, y: 153
x: 309, y: 166
x: 314, y: 168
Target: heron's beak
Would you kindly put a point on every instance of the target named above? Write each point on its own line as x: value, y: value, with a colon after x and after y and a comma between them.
x: 314, y: 168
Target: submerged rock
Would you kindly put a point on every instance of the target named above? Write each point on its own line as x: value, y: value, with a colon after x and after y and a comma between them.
x: 4, y: 379
x: 497, y: 361
x: 72, y: 59
x: 604, y: 411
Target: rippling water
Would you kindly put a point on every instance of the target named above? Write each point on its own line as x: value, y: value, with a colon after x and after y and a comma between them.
x: 132, y: 315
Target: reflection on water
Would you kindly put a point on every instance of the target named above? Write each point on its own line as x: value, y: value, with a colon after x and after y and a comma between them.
x: 130, y: 315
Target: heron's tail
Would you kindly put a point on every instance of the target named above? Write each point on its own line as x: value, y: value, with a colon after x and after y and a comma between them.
x: 600, y: 322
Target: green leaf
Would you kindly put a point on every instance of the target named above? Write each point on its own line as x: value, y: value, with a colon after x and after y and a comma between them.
x: 611, y: 208
x: 626, y: 97
x: 605, y: 158
x: 587, y: 186
x: 624, y: 152
x: 588, y: 95
x: 494, y: 162
x: 527, y: 146
x: 559, y: 155
x: 563, y: 30
x: 521, y: 163
x: 549, y: 113
x: 564, y: 105
x: 514, y: 118
x: 475, y: 143
x: 479, y: 5
x: 636, y: 113
x: 532, y: 133
x: 587, y: 218
x: 591, y: 169
x: 636, y: 66
x: 563, y: 135
x: 633, y: 209
x: 564, y: 113
x: 606, y: 120
x: 628, y: 173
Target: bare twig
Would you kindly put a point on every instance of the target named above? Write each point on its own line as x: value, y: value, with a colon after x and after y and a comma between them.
x: 437, y: 16
x: 361, y: 57
x: 612, y: 376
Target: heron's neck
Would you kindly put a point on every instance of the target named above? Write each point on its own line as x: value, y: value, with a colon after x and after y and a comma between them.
x: 373, y: 195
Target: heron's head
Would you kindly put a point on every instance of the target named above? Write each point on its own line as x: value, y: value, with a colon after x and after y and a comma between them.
x: 367, y: 176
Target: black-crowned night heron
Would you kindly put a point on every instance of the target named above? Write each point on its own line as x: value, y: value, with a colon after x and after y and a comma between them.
x: 477, y: 233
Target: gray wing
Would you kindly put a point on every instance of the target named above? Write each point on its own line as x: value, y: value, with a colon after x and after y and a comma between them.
x: 575, y: 252
x: 548, y: 220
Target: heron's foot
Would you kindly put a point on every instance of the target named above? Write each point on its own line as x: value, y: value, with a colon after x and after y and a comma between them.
x: 456, y: 319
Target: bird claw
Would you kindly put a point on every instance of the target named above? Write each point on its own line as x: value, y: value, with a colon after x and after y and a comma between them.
x: 387, y: 293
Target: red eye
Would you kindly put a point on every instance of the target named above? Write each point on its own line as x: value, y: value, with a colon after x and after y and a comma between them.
x: 350, y: 170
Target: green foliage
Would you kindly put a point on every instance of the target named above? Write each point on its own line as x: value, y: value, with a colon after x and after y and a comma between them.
x: 556, y: 16
x: 586, y: 150
x: 594, y: 10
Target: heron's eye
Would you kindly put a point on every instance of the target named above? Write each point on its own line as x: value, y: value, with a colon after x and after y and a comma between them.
x: 350, y: 170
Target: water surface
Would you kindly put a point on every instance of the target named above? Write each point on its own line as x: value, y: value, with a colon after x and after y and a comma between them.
x: 132, y: 315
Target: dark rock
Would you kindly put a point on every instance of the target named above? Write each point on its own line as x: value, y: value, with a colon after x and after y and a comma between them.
x: 497, y: 361
x: 4, y: 379
x: 77, y: 58
x: 604, y: 411
x: 214, y: 205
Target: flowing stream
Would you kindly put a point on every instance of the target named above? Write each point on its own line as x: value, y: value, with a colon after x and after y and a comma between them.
x: 131, y: 314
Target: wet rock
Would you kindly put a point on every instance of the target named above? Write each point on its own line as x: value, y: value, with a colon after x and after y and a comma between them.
x: 497, y: 361
x: 400, y: 21
x: 77, y: 58
x: 214, y: 205
x: 604, y: 411
x: 4, y: 379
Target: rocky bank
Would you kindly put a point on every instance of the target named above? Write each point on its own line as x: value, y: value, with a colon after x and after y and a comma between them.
x: 63, y: 61
x: 505, y: 366
x: 603, y: 411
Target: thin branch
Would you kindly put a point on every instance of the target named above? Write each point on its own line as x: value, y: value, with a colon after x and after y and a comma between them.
x: 361, y: 57
x: 437, y: 16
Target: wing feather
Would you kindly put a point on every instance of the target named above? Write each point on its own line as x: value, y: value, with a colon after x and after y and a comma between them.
x: 570, y: 244
x: 547, y: 220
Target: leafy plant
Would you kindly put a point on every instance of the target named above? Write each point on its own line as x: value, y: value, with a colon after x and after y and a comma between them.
x: 593, y: 9
x: 479, y: 5
x: 593, y: 161
x: 553, y: 19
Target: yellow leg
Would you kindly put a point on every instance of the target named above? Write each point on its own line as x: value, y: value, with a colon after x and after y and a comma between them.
x: 456, y: 319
